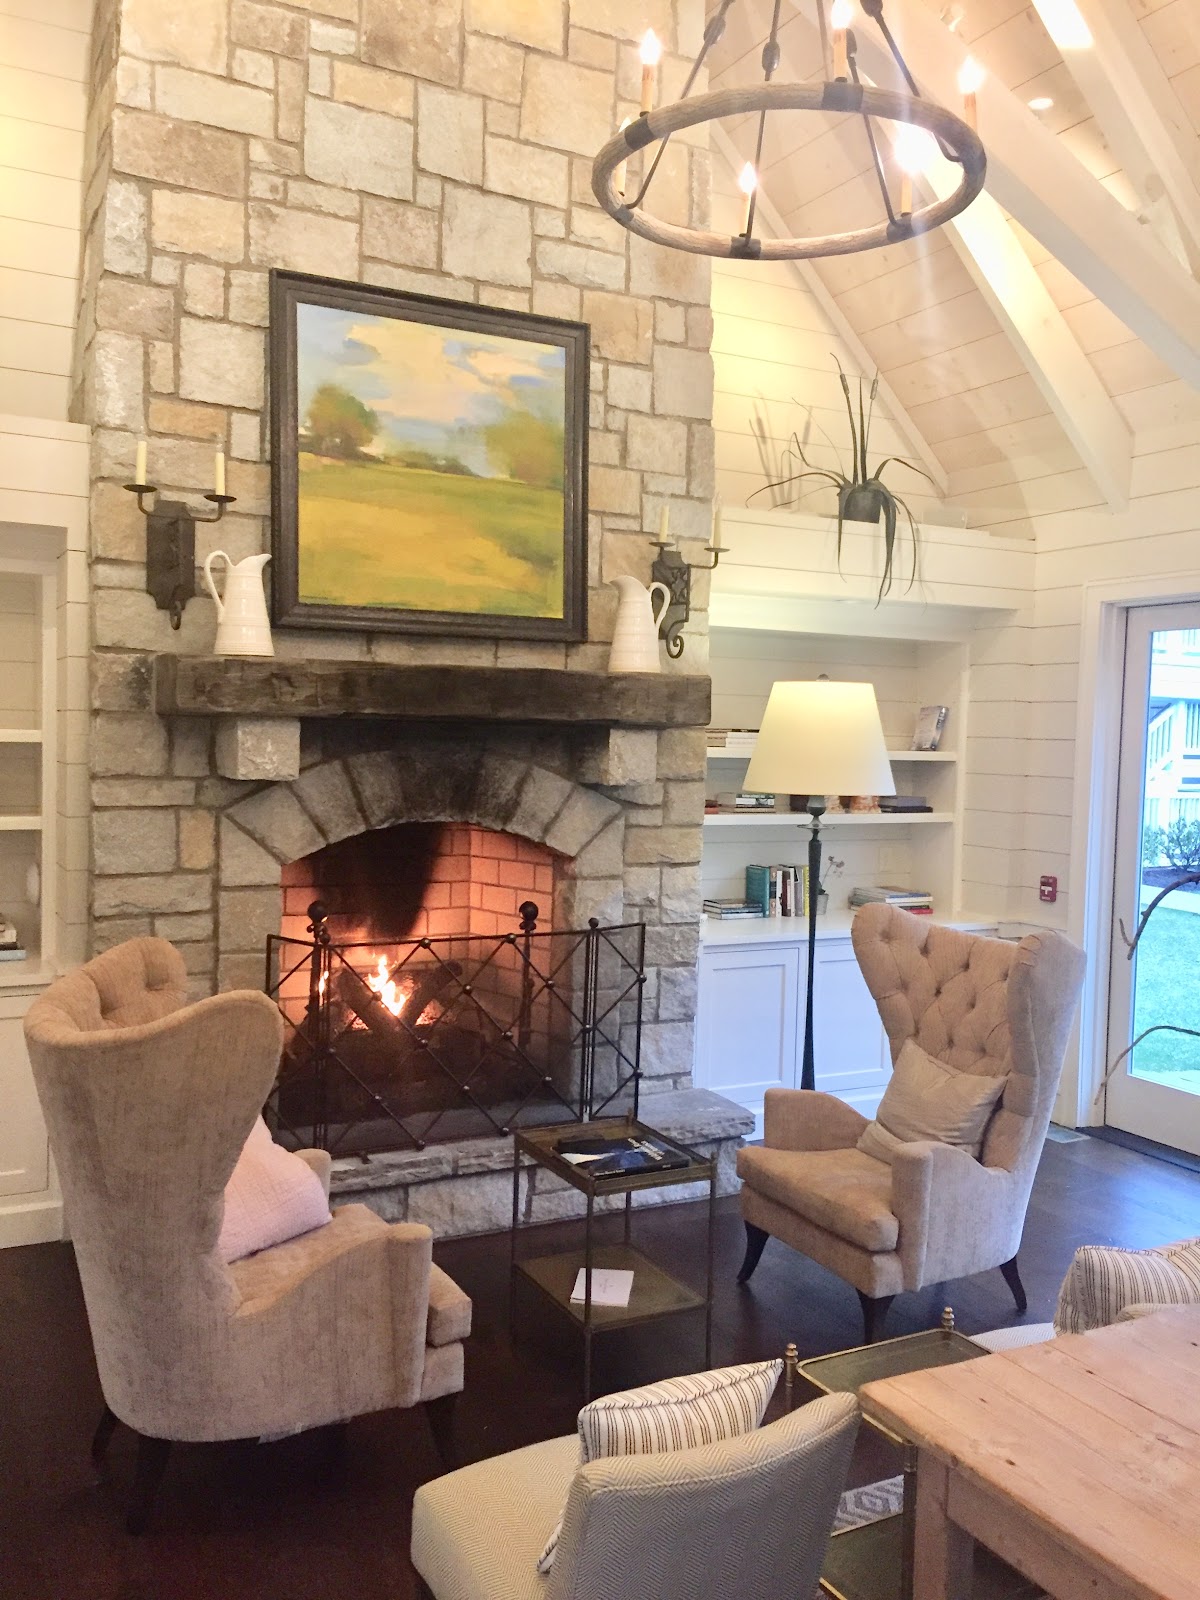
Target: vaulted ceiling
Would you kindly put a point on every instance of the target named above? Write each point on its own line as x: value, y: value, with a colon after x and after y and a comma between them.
x: 1059, y: 317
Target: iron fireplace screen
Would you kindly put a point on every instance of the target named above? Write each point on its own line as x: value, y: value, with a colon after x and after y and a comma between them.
x: 396, y: 1045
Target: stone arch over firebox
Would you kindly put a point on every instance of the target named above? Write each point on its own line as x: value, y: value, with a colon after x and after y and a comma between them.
x: 353, y: 794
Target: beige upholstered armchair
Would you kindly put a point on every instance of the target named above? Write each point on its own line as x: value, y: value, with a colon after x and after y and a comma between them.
x: 746, y: 1518
x: 977, y: 1005
x: 148, y: 1102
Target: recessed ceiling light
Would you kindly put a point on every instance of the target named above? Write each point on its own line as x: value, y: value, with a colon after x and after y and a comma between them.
x: 1040, y: 102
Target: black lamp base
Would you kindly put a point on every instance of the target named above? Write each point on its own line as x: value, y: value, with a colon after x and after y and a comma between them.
x: 816, y: 810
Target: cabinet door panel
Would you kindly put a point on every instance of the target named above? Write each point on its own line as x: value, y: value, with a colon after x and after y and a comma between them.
x: 24, y: 1155
x: 748, y: 1015
x: 850, y: 1046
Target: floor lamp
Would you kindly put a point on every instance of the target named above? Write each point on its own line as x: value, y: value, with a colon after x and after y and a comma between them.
x: 819, y: 738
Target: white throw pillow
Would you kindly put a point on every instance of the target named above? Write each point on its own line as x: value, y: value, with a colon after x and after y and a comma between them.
x: 925, y: 1099
x: 272, y: 1196
x: 1103, y: 1281
x: 677, y: 1414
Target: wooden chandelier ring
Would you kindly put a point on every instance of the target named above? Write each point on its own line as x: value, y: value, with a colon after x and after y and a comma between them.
x: 848, y: 98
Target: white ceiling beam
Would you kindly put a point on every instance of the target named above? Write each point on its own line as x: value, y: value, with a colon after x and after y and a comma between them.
x: 1033, y: 175
x: 811, y: 280
x: 1140, y: 115
x: 1009, y: 283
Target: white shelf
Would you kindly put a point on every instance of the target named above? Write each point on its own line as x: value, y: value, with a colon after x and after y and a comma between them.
x: 20, y: 736
x: 20, y: 824
x: 892, y: 755
x: 799, y: 819
x: 794, y: 930
x: 22, y: 974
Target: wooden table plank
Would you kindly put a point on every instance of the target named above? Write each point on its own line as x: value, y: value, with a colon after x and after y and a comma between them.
x: 1053, y: 1435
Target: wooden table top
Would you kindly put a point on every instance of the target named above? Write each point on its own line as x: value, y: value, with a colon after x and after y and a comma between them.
x: 1095, y: 1438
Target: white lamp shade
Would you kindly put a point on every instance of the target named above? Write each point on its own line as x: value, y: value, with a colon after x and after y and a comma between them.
x: 821, y: 738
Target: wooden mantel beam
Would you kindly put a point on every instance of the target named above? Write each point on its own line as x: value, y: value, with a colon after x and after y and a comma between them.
x: 1140, y: 115
x: 1035, y: 177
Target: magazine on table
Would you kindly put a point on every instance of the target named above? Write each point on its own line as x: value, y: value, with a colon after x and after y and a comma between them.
x: 617, y: 1157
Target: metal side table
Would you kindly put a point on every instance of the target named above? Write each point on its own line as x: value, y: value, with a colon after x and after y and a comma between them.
x: 875, y: 1560
x: 655, y: 1292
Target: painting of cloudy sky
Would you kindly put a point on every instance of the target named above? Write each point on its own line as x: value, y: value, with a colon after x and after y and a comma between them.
x: 431, y: 466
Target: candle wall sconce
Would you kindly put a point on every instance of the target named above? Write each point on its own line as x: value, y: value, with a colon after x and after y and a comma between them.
x: 171, y: 546
x: 672, y: 569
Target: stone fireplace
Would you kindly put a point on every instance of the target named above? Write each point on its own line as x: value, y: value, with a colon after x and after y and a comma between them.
x: 449, y: 157
x: 578, y: 791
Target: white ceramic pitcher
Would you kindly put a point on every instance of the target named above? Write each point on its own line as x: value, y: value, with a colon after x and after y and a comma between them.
x: 635, y: 637
x: 243, y: 627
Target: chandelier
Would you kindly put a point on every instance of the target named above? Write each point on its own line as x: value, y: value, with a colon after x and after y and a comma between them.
x: 922, y: 129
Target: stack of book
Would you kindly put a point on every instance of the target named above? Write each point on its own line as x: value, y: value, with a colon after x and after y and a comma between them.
x: 906, y: 803
x: 729, y: 910
x: 733, y: 741
x: 778, y: 891
x: 916, y: 900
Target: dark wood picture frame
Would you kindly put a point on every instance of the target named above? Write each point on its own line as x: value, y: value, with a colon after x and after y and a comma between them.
x: 288, y: 291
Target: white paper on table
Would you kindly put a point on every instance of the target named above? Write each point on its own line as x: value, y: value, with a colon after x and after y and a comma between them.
x: 611, y: 1286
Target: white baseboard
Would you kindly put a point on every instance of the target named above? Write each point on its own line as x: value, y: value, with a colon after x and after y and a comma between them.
x: 31, y: 1222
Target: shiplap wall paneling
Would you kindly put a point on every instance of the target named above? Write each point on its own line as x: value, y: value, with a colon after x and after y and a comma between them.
x: 43, y: 69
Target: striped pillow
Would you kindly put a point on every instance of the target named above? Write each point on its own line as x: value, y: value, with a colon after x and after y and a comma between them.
x: 1102, y: 1280
x: 676, y: 1414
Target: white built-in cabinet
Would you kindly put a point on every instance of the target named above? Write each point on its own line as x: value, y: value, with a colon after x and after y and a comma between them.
x: 781, y: 609
x: 43, y: 777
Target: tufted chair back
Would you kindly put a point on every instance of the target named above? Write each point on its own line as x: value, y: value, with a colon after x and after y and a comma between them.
x: 148, y: 1101
x: 979, y: 1005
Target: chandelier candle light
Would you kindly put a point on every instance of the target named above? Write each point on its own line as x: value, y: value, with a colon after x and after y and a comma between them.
x: 651, y: 56
x: 844, y: 93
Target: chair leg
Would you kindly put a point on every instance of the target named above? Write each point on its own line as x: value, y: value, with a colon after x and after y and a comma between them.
x: 874, y: 1314
x: 148, y: 1476
x: 756, y: 1239
x: 441, y: 1424
x: 105, y: 1429
x: 1013, y: 1279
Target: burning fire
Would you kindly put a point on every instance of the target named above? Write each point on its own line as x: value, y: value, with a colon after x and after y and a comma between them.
x: 385, y: 986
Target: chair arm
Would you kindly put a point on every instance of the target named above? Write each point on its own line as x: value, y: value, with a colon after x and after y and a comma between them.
x: 956, y: 1216
x: 1143, y: 1308
x: 321, y: 1163
x: 807, y: 1119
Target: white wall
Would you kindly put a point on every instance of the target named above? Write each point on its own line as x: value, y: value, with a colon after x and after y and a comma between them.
x: 43, y: 70
x: 774, y: 354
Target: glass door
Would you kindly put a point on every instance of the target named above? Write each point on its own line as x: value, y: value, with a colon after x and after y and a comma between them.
x: 1155, y: 986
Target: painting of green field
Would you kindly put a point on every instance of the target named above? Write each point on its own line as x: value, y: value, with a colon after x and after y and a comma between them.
x: 430, y: 467
x: 389, y: 535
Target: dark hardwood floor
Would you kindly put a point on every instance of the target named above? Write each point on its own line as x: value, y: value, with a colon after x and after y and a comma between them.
x: 276, y: 1522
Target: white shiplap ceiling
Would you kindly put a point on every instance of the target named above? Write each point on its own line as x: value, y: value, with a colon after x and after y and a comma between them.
x: 1011, y: 385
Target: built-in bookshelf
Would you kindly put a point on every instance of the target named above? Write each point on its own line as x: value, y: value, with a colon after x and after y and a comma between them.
x: 917, y: 849
x: 28, y: 768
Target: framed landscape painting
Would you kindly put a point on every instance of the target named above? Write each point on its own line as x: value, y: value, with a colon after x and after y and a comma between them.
x: 430, y: 464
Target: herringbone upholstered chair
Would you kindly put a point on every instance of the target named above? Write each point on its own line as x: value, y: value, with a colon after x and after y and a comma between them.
x: 747, y: 1518
x: 148, y: 1101
x: 976, y: 1005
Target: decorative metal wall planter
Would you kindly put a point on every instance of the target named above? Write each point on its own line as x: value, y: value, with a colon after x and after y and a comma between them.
x: 862, y: 495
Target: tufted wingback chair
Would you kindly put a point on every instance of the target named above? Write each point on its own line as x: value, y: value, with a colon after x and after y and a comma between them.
x: 148, y: 1101
x: 978, y: 1005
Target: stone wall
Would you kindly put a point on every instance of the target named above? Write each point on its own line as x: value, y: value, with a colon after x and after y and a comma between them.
x: 442, y: 146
